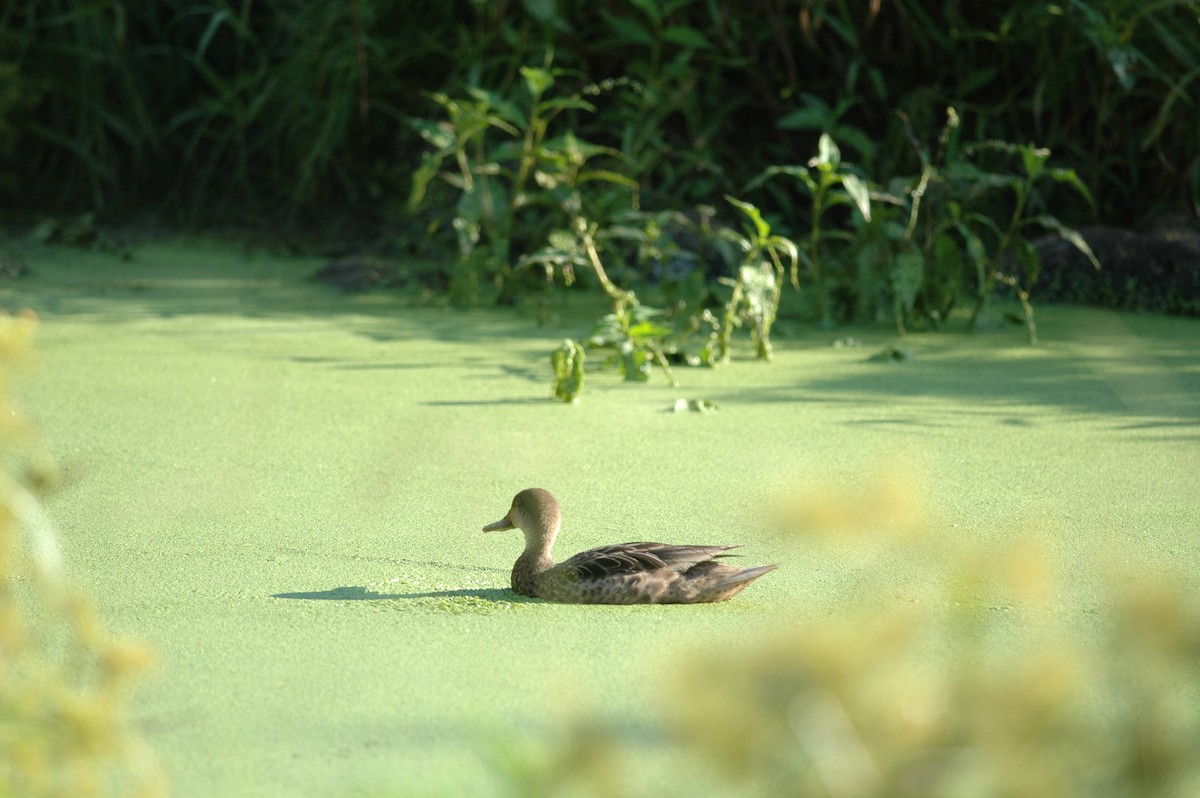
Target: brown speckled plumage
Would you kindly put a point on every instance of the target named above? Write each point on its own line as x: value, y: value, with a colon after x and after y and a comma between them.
x: 629, y: 573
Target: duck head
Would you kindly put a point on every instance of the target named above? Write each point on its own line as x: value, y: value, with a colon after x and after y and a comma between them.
x: 535, y: 512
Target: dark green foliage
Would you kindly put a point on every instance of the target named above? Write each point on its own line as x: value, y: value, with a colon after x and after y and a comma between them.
x: 520, y: 187
x: 232, y: 106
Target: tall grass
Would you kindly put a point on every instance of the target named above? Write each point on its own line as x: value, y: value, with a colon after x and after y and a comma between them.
x: 232, y: 106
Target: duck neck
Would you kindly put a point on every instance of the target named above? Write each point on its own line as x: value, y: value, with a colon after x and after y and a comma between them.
x: 535, y: 560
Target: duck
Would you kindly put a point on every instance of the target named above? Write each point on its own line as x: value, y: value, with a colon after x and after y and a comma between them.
x: 626, y: 573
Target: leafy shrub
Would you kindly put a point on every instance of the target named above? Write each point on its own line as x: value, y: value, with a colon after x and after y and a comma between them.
x: 522, y: 187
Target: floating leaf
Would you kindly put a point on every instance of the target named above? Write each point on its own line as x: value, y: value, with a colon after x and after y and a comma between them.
x: 828, y: 155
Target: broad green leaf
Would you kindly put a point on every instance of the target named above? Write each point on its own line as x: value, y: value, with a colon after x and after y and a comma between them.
x: 538, y: 81
x: 785, y: 245
x: 760, y: 224
x: 438, y: 134
x: 627, y: 30
x: 792, y: 170
x: 1069, y: 177
x: 508, y: 116
x: 648, y: 330
x: 1068, y: 234
x: 859, y: 192
x: 507, y: 151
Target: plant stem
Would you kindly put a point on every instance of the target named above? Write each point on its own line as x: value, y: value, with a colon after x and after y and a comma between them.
x: 814, y: 253
x: 621, y: 298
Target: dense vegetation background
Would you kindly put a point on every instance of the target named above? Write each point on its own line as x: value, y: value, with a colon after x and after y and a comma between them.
x: 208, y: 111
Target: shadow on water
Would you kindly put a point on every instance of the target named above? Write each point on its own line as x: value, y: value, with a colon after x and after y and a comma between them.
x: 199, y: 278
x: 1149, y: 372
x: 1091, y: 361
x: 362, y: 593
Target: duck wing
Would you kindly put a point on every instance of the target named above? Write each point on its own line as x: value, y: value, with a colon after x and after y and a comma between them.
x: 628, y: 559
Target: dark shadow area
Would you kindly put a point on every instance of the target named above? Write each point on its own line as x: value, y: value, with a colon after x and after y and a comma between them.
x: 181, y: 278
x: 541, y: 400
x: 1085, y: 364
x: 1153, y: 376
x: 361, y: 593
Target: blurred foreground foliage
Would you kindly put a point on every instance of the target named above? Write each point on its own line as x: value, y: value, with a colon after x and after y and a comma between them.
x: 991, y: 672
x: 64, y: 679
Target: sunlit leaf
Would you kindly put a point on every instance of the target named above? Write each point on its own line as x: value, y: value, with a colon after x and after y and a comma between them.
x: 760, y: 224
x: 859, y: 192
x: 651, y: 8
x: 801, y: 173
x: 828, y: 155
x: 1068, y: 234
x: 1069, y: 177
x: 647, y: 330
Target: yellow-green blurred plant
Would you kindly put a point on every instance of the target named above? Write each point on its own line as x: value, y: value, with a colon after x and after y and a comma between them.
x: 967, y: 673
x: 64, y: 727
x: 973, y: 667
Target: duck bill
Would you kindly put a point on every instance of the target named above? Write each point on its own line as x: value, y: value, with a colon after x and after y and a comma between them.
x: 503, y: 523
